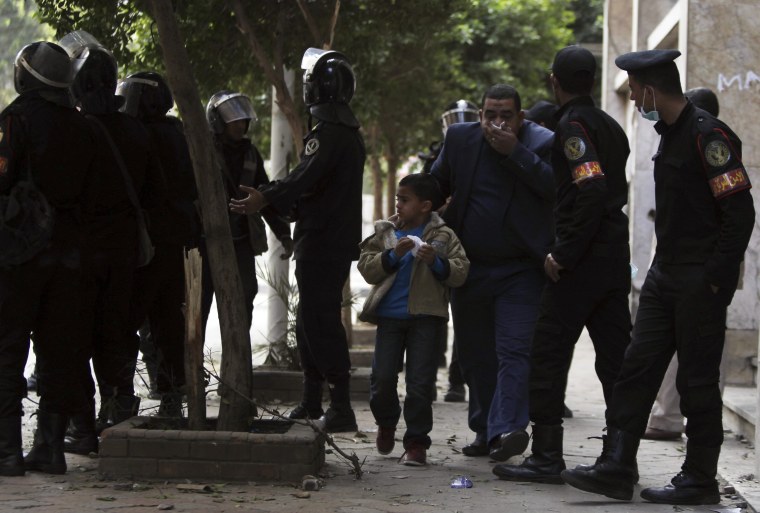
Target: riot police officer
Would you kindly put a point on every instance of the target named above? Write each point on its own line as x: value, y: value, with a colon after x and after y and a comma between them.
x: 229, y: 115
x: 124, y: 155
x: 43, y: 139
x: 159, y: 291
x: 323, y: 195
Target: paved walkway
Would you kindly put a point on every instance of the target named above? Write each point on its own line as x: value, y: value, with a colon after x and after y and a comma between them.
x: 387, y: 486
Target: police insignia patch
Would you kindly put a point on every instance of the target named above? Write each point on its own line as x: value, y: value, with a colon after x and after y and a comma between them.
x: 575, y: 148
x: 717, y: 153
x: 311, y: 147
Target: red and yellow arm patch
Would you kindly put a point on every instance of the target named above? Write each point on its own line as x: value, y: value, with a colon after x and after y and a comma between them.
x: 729, y: 182
x: 3, y: 166
x: 587, y: 171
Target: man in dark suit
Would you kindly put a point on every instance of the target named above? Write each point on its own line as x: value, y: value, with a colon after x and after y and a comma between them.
x: 498, y: 175
x: 589, y: 263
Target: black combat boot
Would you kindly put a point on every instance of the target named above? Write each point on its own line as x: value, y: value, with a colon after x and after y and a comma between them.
x: 613, y: 473
x: 339, y: 417
x: 695, y: 484
x: 311, y: 404
x: 545, y: 463
x: 605, y: 449
x: 11, y: 458
x: 46, y: 454
x: 81, y: 436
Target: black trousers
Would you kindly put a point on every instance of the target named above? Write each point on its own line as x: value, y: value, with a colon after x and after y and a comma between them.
x: 43, y: 296
x: 115, y: 344
x: 321, y: 338
x: 158, y: 297
x: 677, y: 312
x: 594, y: 295
x: 246, y: 262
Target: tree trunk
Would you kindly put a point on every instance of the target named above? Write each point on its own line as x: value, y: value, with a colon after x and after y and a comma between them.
x: 281, y: 158
x: 392, y: 159
x: 377, y: 172
x: 194, y: 382
x: 235, y: 410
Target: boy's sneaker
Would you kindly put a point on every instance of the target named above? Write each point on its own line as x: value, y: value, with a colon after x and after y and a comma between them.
x: 385, y: 441
x: 414, y: 456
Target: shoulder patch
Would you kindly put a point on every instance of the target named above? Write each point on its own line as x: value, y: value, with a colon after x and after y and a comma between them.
x: 729, y: 183
x: 3, y: 166
x: 311, y: 147
x: 575, y: 148
x: 717, y: 153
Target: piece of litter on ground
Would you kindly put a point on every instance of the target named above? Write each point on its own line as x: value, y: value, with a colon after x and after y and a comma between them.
x: 197, y: 488
x: 165, y: 507
x: 399, y: 477
x: 301, y: 495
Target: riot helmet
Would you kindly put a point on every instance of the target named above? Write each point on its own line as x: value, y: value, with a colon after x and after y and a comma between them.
x: 328, y: 77
x: 460, y: 111
x: 227, y: 106
x: 95, y: 66
x: 44, y: 67
x: 146, y: 95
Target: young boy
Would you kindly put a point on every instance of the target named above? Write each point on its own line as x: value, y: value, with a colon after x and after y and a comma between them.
x: 411, y: 261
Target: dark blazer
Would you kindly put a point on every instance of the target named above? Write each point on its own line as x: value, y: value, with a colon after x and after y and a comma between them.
x: 530, y: 192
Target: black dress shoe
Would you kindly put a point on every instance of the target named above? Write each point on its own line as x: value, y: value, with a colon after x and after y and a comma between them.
x: 509, y: 444
x: 478, y: 447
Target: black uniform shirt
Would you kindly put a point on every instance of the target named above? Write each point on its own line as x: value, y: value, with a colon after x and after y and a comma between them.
x: 705, y: 212
x: 59, y: 146
x: 588, y: 158
x: 324, y: 194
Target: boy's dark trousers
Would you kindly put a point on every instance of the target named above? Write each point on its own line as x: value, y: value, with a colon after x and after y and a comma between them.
x: 418, y: 338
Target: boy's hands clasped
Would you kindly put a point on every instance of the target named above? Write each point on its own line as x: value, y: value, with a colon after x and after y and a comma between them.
x: 426, y: 252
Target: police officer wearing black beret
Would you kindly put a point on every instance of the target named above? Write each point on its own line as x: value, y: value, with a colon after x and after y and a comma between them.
x: 588, y: 266
x: 703, y: 223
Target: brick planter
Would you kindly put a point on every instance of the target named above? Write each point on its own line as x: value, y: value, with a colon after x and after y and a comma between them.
x: 139, y: 447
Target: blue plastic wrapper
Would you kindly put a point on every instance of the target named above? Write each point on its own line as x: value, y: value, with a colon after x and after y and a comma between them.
x: 461, y: 482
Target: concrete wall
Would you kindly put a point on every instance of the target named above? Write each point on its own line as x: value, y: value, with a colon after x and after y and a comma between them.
x: 718, y: 40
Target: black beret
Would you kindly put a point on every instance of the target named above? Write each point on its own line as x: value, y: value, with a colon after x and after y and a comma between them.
x: 635, y: 61
x: 572, y: 59
x: 541, y: 111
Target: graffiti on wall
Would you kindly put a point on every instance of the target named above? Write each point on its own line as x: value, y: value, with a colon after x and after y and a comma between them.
x: 740, y: 81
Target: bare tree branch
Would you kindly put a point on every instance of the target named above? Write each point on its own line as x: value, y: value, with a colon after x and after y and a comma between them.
x: 311, y: 23
x: 273, y: 70
x: 331, y: 29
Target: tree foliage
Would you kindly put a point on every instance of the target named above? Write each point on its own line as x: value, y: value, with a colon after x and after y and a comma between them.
x: 18, y: 27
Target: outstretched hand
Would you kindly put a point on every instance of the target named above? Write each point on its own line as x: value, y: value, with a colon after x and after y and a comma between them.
x: 552, y: 268
x: 252, y: 203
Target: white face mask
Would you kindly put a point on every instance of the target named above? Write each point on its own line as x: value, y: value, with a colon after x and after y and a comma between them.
x: 652, y: 115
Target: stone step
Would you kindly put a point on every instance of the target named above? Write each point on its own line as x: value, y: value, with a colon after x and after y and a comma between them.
x: 273, y: 384
x: 740, y: 410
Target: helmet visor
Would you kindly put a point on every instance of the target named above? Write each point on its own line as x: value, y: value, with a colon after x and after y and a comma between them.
x: 48, y: 66
x: 451, y: 117
x: 75, y: 43
x: 131, y: 89
x: 234, y: 107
